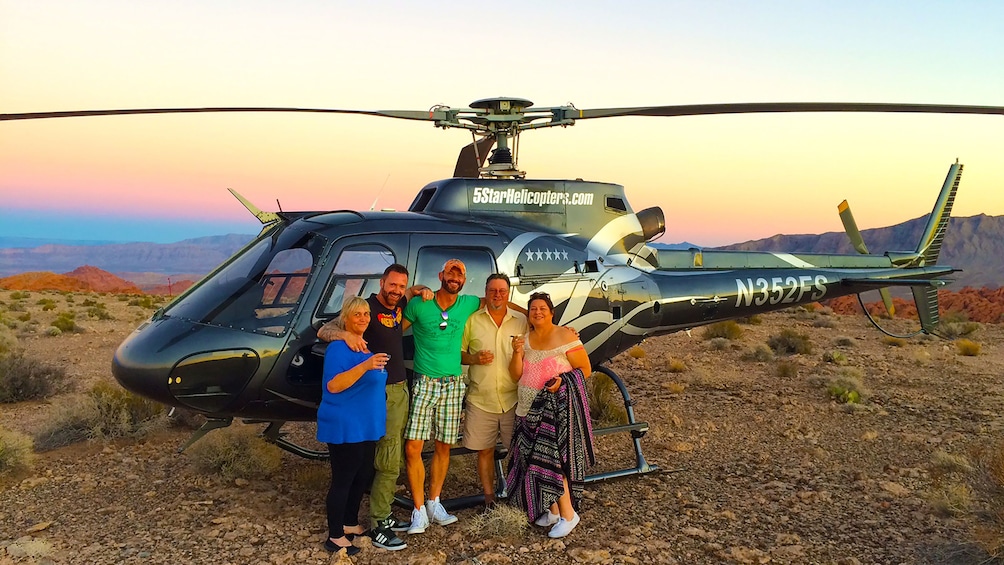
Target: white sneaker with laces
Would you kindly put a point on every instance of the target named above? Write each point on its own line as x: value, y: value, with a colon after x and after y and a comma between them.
x: 547, y: 519
x: 438, y: 514
x: 419, y: 521
x: 564, y: 527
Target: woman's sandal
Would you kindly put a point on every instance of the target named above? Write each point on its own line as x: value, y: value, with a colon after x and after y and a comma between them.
x: 350, y: 550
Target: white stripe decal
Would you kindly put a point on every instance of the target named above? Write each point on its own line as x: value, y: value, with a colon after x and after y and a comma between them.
x: 793, y: 261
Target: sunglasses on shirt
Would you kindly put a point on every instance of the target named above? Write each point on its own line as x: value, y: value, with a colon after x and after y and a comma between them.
x: 446, y: 318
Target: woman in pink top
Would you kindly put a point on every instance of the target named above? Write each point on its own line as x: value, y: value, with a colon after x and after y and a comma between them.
x: 539, y: 360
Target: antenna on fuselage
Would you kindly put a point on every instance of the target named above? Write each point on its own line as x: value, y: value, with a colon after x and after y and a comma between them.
x: 379, y: 192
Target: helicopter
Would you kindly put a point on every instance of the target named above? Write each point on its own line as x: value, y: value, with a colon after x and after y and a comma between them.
x: 242, y: 343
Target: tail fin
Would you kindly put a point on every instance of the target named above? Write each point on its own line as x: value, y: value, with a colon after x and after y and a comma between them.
x: 929, y: 248
x: 930, y: 243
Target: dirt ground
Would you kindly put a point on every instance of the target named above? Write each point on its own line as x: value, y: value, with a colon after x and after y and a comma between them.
x: 758, y: 463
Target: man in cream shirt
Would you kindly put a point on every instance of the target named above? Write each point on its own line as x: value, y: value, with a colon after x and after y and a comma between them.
x: 490, y: 408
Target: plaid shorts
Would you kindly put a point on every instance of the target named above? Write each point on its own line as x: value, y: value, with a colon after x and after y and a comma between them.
x: 436, y: 405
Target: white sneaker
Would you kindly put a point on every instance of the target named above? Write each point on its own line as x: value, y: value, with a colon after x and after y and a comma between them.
x: 419, y: 521
x: 564, y: 527
x: 547, y: 519
x: 438, y: 513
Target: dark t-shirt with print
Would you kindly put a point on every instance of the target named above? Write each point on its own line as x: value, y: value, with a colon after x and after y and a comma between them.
x: 383, y: 335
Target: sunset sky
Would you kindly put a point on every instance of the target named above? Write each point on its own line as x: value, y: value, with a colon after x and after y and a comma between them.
x: 719, y: 179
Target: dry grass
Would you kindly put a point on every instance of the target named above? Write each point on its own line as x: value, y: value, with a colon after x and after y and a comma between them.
x: 790, y: 341
x: 636, y: 352
x: 674, y: 365
x: 835, y: 357
x: 728, y: 329
x: 26, y: 378
x: 987, y: 482
x: 786, y: 370
x: 759, y: 352
x: 967, y: 347
x: 501, y: 522
x: 893, y: 341
x: 606, y: 405
x: 16, y: 452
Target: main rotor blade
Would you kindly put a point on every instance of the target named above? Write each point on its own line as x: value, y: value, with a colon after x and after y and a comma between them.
x: 472, y: 158
x: 770, y: 107
x: 428, y: 115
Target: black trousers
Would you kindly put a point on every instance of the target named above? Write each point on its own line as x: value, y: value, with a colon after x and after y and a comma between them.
x: 351, y: 474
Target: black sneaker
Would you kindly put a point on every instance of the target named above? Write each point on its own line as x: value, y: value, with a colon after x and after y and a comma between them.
x: 393, y: 524
x: 385, y: 539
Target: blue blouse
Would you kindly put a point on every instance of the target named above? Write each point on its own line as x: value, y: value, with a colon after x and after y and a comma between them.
x: 358, y: 413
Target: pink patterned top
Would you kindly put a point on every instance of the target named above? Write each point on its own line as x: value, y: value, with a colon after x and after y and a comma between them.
x: 539, y: 366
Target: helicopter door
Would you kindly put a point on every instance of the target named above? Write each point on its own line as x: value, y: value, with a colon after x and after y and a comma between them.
x: 356, y: 272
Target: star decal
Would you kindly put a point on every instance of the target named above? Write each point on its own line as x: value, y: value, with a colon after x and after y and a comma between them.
x: 546, y: 254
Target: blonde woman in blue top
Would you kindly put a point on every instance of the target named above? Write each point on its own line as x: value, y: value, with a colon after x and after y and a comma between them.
x: 351, y: 418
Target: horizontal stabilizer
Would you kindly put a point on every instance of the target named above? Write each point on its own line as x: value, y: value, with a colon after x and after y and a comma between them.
x: 881, y: 283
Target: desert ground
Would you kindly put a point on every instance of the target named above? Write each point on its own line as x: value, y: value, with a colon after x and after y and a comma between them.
x: 760, y: 460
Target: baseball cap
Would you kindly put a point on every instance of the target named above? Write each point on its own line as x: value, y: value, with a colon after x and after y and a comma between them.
x: 455, y: 264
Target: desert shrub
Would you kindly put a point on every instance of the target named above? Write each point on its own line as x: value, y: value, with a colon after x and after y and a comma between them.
x: 19, y: 295
x: 122, y: 297
x: 674, y: 365
x: 8, y: 341
x: 719, y: 343
x: 16, y: 306
x: 786, y: 370
x: 121, y: 412
x: 759, y: 352
x: 236, y: 452
x: 636, y: 352
x: 835, y: 357
x: 843, y: 341
x: 754, y: 320
x: 954, y: 317
x: 893, y: 341
x: 951, y: 499
x: 53, y: 331
x: 727, y: 329
x: 105, y: 411
x: 27, y: 378
x: 90, y: 302
x: 790, y: 341
x: 65, y: 322
x: 967, y: 347
x: 810, y: 307
x: 847, y: 387
x: 24, y: 317
x: 145, y: 301
x: 824, y: 322
x: 99, y: 312
x: 68, y: 296
x: 606, y: 404
x: 952, y: 330
x: 675, y: 387
x: 313, y: 478
x: 16, y: 452
x: 70, y: 419
x: 986, y: 479
x: 185, y: 418
x: 502, y: 521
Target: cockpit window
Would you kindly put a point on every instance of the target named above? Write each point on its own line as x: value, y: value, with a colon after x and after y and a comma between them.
x: 357, y: 273
x: 259, y: 290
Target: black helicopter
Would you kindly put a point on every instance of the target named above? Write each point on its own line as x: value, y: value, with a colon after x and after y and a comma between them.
x: 241, y: 342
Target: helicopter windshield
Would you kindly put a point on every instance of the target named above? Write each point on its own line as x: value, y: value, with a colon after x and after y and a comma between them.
x: 259, y: 290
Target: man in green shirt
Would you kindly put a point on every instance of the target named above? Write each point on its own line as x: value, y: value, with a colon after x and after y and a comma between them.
x: 437, y: 396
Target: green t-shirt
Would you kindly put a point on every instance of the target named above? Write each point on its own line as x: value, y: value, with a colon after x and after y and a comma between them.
x: 437, y: 351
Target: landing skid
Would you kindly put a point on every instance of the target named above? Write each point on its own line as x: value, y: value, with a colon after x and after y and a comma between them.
x: 273, y: 434
x: 635, y: 428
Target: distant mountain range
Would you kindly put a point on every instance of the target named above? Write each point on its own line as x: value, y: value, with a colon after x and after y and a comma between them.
x: 190, y: 258
x: 973, y: 244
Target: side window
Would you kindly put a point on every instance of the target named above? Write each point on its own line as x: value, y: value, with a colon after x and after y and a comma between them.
x: 479, y: 262
x: 357, y: 273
